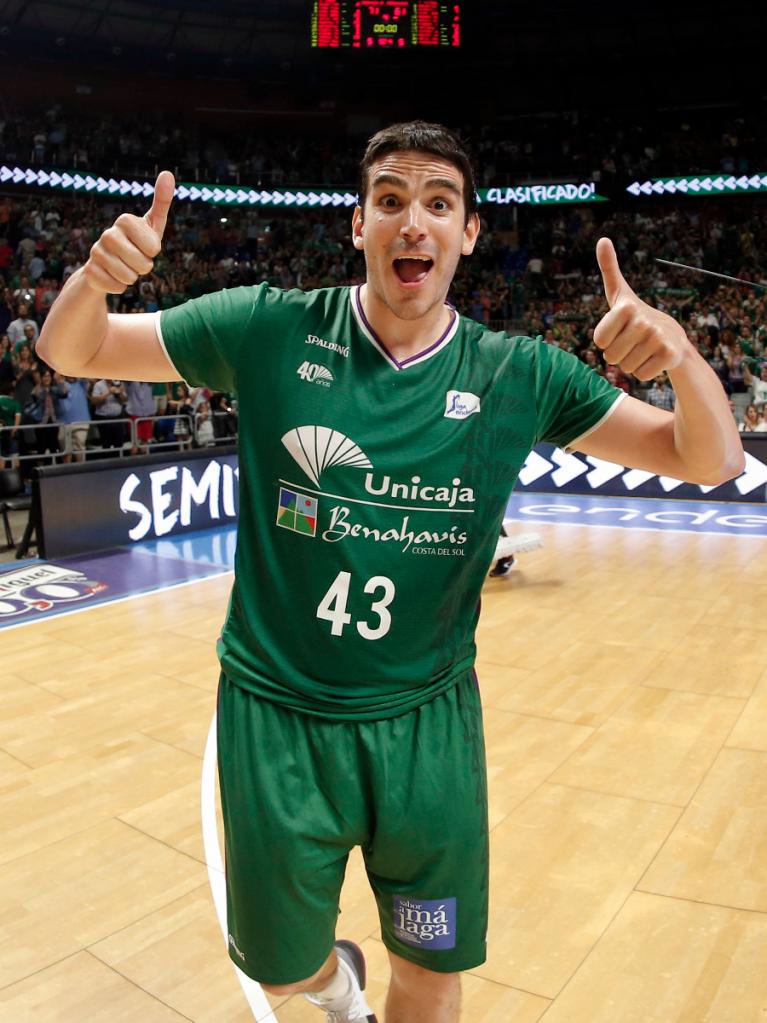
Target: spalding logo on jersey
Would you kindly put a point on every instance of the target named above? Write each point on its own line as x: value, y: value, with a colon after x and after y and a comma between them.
x: 460, y: 404
x: 318, y: 447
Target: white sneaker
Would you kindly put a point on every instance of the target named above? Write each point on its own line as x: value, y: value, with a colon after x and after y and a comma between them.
x: 516, y: 544
x: 353, y: 1008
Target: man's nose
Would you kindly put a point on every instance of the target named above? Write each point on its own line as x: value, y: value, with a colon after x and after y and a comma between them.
x: 413, y: 227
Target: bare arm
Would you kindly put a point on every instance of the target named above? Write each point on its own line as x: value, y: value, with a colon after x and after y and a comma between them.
x: 80, y: 338
x: 699, y: 441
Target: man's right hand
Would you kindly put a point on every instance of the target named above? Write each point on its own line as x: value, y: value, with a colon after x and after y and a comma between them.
x: 126, y: 250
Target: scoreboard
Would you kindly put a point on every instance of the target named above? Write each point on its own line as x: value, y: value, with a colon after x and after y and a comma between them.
x: 385, y: 24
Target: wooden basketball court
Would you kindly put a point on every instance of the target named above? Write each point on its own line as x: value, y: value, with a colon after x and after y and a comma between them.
x: 624, y: 676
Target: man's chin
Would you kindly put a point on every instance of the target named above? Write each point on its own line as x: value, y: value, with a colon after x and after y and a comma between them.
x: 413, y: 306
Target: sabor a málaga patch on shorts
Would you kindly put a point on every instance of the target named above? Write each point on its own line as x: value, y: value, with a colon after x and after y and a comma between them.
x: 425, y: 923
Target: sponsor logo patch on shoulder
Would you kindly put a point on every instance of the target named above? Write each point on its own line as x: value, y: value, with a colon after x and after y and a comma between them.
x: 460, y: 404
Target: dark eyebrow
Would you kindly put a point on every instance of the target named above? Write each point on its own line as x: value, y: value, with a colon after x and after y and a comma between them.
x: 444, y: 183
x: 385, y: 178
x: 388, y: 179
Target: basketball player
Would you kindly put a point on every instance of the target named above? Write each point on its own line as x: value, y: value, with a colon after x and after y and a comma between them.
x: 380, y: 435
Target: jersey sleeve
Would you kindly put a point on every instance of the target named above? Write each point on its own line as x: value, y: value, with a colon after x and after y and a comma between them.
x: 572, y: 400
x: 205, y: 337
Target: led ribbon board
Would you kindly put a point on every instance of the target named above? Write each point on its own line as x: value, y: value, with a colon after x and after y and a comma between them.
x: 219, y: 195
x: 234, y: 195
x: 541, y: 195
x: 711, y: 184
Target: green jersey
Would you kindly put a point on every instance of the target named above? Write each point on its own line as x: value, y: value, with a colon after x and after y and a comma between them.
x: 371, y: 490
x: 9, y: 409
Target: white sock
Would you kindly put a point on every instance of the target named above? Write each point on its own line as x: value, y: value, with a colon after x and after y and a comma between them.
x: 337, y: 988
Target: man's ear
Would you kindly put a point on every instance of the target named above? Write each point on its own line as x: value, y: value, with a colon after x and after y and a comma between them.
x: 357, y: 228
x: 470, y: 233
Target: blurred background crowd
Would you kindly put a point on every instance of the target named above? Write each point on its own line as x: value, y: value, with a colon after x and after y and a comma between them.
x: 576, y: 144
x: 533, y: 272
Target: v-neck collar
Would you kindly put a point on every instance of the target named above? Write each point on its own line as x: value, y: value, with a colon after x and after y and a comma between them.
x: 364, y: 325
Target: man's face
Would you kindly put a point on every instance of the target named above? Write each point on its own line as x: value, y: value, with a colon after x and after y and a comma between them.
x: 412, y: 231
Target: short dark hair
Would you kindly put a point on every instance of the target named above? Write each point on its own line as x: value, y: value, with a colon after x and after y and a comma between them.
x: 422, y: 137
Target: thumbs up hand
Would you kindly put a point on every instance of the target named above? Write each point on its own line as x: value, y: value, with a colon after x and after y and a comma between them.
x: 126, y: 250
x: 641, y: 340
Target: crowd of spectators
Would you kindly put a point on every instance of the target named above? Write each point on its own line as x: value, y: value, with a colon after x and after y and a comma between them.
x: 570, y: 145
x: 534, y: 274
x: 44, y: 415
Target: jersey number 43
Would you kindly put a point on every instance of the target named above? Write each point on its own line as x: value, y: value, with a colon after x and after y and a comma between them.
x: 332, y: 607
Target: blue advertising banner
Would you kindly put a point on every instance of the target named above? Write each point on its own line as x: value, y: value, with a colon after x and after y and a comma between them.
x: 102, y: 505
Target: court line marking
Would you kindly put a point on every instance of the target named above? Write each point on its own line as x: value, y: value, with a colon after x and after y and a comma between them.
x: 254, y: 993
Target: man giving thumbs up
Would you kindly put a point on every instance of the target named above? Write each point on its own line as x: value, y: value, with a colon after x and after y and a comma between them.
x: 348, y: 708
x: 88, y: 341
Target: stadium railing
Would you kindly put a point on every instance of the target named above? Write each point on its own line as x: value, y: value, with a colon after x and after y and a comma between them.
x: 174, y: 431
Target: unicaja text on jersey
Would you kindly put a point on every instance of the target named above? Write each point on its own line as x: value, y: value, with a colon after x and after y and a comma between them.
x: 413, y: 491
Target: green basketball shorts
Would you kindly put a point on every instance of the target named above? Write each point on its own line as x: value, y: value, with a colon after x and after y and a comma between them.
x: 299, y: 792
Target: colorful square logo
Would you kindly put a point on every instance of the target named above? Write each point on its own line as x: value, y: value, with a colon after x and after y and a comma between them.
x: 297, y: 511
x: 425, y: 923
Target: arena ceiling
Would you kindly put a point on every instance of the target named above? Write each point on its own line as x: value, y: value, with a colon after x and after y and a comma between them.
x: 530, y: 50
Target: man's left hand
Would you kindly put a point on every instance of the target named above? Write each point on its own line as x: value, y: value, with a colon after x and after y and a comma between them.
x: 641, y: 340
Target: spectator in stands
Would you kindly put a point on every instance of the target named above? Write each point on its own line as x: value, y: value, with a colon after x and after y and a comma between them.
x: 719, y: 365
x: 140, y: 408
x: 736, y: 369
x: 661, y: 394
x: 74, y: 416
x: 27, y: 374
x: 6, y: 310
x: 757, y: 385
x: 6, y: 252
x: 108, y: 398
x: 160, y: 393
x: 41, y: 409
x: 10, y: 419
x: 182, y: 408
x: 7, y: 369
x: 36, y: 269
x: 535, y: 276
x: 614, y: 376
x: 45, y: 295
x: 224, y: 417
x: 707, y: 320
x: 203, y: 426
x: 30, y: 337
x: 751, y: 420
x: 16, y: 327
x: 589, y: 356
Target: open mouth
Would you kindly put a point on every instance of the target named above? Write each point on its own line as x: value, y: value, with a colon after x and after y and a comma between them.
x: 413, y: 269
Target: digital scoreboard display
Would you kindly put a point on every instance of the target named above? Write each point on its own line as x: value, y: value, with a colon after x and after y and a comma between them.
x: 382, y: 24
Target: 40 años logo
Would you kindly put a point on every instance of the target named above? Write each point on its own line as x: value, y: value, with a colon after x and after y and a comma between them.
x: 42, y: 587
